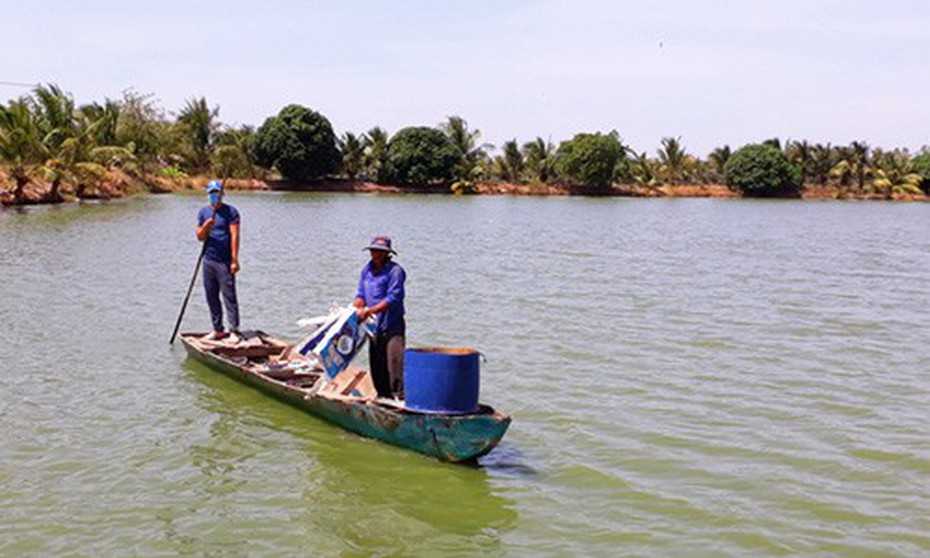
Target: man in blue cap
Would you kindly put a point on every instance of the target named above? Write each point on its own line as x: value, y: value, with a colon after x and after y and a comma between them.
x: 381, y: 294
x: 218, y: 226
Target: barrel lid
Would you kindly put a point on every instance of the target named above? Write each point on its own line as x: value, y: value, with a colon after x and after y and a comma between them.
x: 445, y: 350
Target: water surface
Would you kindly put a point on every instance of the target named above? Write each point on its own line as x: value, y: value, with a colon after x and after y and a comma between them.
x: 687, y: 377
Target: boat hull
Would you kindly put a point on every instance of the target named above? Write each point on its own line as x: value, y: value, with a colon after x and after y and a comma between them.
x: 453, y: 438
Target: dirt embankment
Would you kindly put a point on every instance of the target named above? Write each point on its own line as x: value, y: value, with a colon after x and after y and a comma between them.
x: 119, y: 184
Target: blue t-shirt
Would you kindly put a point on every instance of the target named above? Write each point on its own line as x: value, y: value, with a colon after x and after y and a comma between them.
x: 219, y: 241
x: 385, y: 284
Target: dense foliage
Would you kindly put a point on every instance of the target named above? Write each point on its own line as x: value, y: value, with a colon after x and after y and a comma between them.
x: 592, y: 159
x: 66, y: 150
x: 763, y: 170
x: 922, y: 167
x: 299, y: 142
x: 419, y: 155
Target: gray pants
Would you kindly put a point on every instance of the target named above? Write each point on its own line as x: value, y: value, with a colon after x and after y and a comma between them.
x: 386, y: 356
x: 217, y: 279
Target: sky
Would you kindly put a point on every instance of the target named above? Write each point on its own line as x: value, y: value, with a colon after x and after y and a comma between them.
x: 709, y: 72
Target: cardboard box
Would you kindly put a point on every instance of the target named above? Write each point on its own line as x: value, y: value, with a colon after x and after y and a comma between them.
x: 340, y: 342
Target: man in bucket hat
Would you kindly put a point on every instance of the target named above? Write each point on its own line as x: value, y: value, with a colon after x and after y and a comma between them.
x: 381, y: 294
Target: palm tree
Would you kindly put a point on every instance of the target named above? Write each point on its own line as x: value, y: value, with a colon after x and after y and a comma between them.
x: 645, y: 171
x: 539, y: 157
x: 672, y: 156
x: 852, y: 165
x: 717, y: 159
x: 21, y: 145
x: 860, y: 152
x: 893, y: 174
x: 55, y: 115
x: 800, y: 153
x: 198, y: 126
x: 66, y: 135
x: 509, y: 165
x: 353, y: 154
x: 107, y: 116
x: 375, y: 144
x: 232, y: 154
x: 466, y: 144
x: 822, y: 159
x: 142, y: 129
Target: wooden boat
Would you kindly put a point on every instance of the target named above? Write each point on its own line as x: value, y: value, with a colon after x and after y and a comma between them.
x: 348, y: 400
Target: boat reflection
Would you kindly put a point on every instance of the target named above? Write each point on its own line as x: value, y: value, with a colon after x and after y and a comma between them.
x: 367, y: 494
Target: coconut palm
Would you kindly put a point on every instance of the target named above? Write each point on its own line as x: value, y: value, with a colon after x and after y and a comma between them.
x: 821, y: 159
x: 198, y: 126
x: 509, y: 165
x: 717, y: 159
x: 672, y: 157
x: 470, y: 152
x: 375, y: 143
x: 852, y: 166
x: 799, y: 153
x: 21, y: 145
x: 893, y: 174
x: 860, y: 153
x: 539, y: 159
x: 232, y: 156
x: 55, y: 115
x: 353, y: 154
x: 645, y: 171
x: 107, y: 115
x: 143, y: 129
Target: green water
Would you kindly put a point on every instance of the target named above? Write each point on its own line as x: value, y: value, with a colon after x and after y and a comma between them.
x: 687, y: 377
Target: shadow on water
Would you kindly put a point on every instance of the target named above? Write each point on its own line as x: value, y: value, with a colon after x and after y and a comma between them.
x: 507, y: 460
x: 366, y: 493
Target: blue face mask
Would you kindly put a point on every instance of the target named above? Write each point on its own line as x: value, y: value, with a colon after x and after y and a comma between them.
x: 215, y: 198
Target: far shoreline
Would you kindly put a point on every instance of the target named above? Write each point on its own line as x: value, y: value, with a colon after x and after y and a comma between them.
x: 122, y: 186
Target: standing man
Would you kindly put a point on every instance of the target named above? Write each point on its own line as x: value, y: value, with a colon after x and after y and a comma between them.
x: 381, y: 294
x: 218, y: 226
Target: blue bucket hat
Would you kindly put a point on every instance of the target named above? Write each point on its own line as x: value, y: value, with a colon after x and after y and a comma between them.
x: 214, y: 186
x: 382, y: 243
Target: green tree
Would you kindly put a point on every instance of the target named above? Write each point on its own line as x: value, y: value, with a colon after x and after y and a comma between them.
x: 717, y: 160
x: 801, y: 154
x: 64, y: 145
x: 376, y: 144
x: 142, y: 129
x: 55, y: 115
x: 645, y: 171
x: 821, y: 160
x: 922, y: 167
x: 353, y: 154
x: 469, y: 152
x: 509, y: 165
x: 299, y: 142
x: 762, y: 170
x: 419, y: 155
x: 21, y: 145
x: 232, y: 153
x: 71, y: 140
x: 539, y: 157
x: 592, y: 159
x: 106, y: 116
x: 893, y: 175
x: 198, y: 126
x: 673, y: 159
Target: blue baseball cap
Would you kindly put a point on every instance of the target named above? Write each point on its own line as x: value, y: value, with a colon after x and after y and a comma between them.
x: 214, y: 186
x: 382, y: 243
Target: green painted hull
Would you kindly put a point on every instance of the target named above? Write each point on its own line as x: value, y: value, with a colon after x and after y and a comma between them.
x: 453, y: 438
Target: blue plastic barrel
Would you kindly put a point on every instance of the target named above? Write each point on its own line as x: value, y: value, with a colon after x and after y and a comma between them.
x: 441, y: 380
